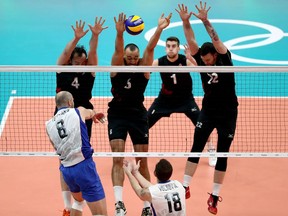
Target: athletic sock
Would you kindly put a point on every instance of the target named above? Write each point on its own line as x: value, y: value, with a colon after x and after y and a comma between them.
x: 186, y: 180
x: 118, y: 192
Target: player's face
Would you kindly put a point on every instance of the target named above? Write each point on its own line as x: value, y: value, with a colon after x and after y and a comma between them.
x: 172, y: 49
x: 131, y: 57
x: 79, y: 60
x: 209, y: 59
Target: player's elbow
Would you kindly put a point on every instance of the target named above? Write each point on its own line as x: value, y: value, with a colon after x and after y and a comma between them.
x: 144, y: 195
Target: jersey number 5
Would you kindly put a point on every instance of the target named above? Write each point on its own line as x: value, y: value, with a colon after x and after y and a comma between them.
x: 128, y: 85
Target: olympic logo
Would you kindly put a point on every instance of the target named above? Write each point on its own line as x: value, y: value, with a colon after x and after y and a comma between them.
x: 274, y: 35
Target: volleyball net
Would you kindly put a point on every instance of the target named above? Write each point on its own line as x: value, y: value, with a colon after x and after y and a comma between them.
x: 27, y: 102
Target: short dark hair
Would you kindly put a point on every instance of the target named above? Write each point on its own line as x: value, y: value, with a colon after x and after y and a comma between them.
x: 206, y: 48
x: 79, y: 49
x: 131, y: 46
x: 163, y: 170
x: 172, y: 38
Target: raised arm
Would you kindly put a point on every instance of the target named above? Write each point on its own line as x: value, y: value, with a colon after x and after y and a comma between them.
x: 142, y: 191
x: 117, y: 58
x: 203, y: 16
x: 96, y: 30
x: 148, y: 55
x: 79, y: 32
x: 188, y: 31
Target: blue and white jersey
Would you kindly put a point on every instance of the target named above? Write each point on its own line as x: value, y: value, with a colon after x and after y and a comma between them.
x: 69, y: 136
x: 168, y: 199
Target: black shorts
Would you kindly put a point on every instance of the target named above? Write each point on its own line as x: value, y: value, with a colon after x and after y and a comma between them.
x: 162, y: 107
x: 119, y: 126
x: 224, y: 122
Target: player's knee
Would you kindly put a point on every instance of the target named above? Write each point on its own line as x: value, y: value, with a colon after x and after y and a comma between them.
x: 78, y: 205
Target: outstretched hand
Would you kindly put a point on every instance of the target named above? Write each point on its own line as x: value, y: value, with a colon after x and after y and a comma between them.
x: 131, y: 166
x: 188, y: 54
x: 163, y: 22
x: 187, y: 50
x: 183, y: 12
x: 98, y: 26
x: 79, y: 29
x: 202, y: 12
x: 120, y: 23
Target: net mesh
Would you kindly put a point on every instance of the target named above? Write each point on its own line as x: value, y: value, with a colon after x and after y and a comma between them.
x: 27, y: 101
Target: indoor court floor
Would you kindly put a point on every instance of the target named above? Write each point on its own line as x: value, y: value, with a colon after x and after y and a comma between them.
x: 253, y: 187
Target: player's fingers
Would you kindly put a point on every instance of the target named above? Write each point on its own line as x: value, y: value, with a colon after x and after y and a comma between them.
x: 138, y: 163
x: 208, y: 9
x: 102, y: 22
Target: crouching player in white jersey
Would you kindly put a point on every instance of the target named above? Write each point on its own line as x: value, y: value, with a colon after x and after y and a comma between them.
x: 69, y: 136
x: 167, y: 197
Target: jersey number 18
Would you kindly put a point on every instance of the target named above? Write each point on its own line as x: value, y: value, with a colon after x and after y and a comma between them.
x: 173, y: 199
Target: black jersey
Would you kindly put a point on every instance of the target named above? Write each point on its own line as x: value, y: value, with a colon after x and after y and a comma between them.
x: 80, y: 85
x: 175, y: 86
x: 128, y: 92
x: 219, y: 88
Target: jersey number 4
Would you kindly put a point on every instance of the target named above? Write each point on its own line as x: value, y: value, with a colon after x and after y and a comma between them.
x: 75, y: 83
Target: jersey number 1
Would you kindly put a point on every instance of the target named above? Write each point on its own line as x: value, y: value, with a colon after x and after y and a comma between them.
x: 173, y: 76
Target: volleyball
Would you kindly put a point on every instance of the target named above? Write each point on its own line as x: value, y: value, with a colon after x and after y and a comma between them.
x: 134, y: 25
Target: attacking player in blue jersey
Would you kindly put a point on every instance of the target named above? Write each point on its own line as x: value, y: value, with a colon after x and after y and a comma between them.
x: 68, y: 134
x: 79, y: 84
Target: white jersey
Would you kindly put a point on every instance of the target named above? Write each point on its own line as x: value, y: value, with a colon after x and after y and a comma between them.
x: 168, y: 199
x: 69, y: 136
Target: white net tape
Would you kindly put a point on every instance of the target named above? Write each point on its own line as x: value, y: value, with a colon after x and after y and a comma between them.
x: 37, y: 68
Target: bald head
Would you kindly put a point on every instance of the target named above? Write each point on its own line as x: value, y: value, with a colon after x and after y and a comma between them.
x: 64, y: 99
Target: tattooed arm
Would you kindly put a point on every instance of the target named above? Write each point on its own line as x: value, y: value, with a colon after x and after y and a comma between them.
x: 202, y: 15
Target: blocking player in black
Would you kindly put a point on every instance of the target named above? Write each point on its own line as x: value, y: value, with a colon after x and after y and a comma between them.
x: 219, y: 105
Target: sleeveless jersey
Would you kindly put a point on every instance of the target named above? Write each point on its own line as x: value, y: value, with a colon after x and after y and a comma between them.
x: 68, y: 134
x: 219, y: 88
x: 175, y: 85
x: 80, y: 85
x: 128, y: 93
x: 168, y: 199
